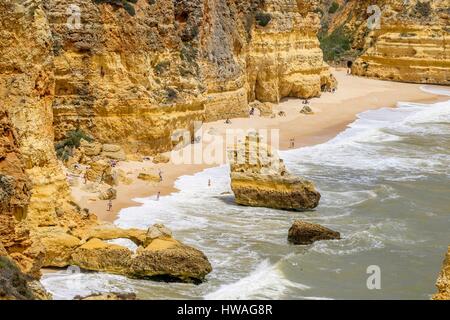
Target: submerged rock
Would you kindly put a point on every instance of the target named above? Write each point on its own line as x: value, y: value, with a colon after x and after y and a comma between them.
x: 260, y: 179
x: 443, y: 282
x: 302, y: 232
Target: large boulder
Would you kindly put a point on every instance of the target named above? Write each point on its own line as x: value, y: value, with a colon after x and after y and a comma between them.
x: 149, y: 176
x: 114, y: 152
x: 98, y: 171
x: 443, y: 282
x: 259, y: 178
x: 98, y: 255
x: 160, y: 158
x: 302, y: 232
x: 90, y: 149
x: 108, y: 194
x: 170, y: 259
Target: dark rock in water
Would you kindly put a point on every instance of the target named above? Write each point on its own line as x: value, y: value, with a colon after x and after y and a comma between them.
x: 302, y: 232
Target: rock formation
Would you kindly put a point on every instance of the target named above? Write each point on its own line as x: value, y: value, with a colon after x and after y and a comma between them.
x: 302, y: 232
x: 443, y: 282
x: 409, y: 45
x: 157, y: 256
x: 259, y: 178
x: 284, y: 58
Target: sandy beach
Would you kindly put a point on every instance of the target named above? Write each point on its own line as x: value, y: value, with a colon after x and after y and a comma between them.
x: 332, y: 113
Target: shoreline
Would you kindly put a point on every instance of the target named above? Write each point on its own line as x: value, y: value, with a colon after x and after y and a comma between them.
x: 333, y: 112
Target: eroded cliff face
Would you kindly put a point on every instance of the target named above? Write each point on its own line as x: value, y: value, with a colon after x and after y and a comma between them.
x: 26, y: 92
x: 284, y: 57
x: 410, y: 45
x: 443, y: 282
x: 133, y: 80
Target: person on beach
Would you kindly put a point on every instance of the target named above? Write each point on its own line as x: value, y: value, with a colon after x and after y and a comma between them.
x: 292, y: 143
x: 158, y: 195
x: 252, y: 111
x: 109, y: 205
x: 160, y: 175
x: 209, y: 182
x: 228, y: 121
x: 349, y: 67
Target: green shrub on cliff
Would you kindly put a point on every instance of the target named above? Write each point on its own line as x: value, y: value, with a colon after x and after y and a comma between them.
x: 263, y: 19
x: 128, y: 5
x: 65, y: 147
x: 333, y: 8
x: 423, y: 8
x: 335, y: 44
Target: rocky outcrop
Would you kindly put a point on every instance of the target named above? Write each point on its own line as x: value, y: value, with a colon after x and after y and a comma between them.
x: 158, y: 254
x: 303, y: 233
x: 259, y: 178
x: 15, y: 285
x: 443, y: 282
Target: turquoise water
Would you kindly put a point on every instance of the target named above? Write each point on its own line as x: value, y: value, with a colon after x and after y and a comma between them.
x: 385, y: 186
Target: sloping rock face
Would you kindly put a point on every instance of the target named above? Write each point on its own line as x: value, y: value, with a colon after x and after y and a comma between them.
x: 443, y: 282
x: 259, y: 179
x: 410, y: 45
x: 133, y: 80
x: 302, y: 232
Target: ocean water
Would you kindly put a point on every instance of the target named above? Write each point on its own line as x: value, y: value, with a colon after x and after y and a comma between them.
x: 385, y: 184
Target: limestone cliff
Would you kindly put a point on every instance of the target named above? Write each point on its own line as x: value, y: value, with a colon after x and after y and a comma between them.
x: 284, y: 58
x: 133, y: 79
x: 410, y: 44
x: 20, y: 261
x: 26, y: 92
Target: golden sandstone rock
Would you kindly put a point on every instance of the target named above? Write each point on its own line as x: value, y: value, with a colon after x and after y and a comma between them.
x: 443, y: 282
x: 409, y: 44
x: 260, y: 179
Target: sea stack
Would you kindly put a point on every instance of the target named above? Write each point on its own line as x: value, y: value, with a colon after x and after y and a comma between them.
x: 259, y: 178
